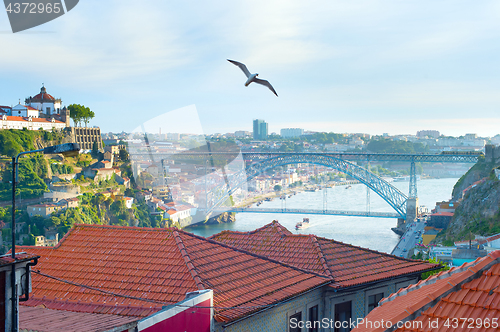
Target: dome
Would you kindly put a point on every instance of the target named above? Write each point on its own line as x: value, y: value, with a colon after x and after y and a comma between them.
x: 43, y: 96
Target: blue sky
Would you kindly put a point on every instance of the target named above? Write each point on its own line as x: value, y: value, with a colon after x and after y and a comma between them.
x: 341, y: 66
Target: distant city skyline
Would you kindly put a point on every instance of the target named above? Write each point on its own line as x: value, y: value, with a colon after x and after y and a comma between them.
x: 339, y: 66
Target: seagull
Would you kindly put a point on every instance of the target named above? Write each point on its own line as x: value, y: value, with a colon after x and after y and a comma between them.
x: 252, y: 77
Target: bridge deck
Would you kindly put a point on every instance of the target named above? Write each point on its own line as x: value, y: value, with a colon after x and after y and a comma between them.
x: 313, y: 211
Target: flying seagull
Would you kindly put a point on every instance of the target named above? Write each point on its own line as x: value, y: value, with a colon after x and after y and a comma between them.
x: 252, y: 77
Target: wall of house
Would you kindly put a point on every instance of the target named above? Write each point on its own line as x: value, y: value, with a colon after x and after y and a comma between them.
x: 276, y: 319
x: 359, y: 298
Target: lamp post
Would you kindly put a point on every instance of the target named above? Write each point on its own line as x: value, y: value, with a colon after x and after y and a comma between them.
x: 68, y: 149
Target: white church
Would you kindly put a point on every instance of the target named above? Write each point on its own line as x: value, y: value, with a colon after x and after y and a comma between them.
x: 41, y: 111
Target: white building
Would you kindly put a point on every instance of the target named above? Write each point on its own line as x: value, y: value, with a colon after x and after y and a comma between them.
x: 30, y: 123
x: 291, y: 132
x: 25, y: 111
x: 41, y: 111
x: 45, y: 103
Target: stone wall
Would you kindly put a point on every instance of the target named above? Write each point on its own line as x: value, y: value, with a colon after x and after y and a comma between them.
x: 86, y: 137
x: 492, y: 153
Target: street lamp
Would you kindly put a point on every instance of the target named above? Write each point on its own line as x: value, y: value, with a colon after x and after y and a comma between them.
x: 69, y: 150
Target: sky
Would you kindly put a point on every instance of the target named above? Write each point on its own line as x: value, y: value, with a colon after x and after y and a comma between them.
x: 338, y: 66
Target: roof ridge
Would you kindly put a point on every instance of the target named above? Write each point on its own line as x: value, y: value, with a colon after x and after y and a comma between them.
x: 51, y: 302
x: 279, y: 229
x: 251, y: 253
x: 367, y: 249
x: 493, y: 257
x: 322, y: 258
x: 187, y: 260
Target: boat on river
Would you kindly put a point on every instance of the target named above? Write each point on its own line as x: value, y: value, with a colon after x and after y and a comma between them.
x: 302, y: 224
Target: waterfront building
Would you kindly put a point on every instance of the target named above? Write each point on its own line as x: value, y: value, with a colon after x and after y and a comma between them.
x: 260, y: 129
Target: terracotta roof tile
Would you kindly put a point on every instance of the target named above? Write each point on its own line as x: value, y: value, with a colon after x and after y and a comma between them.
x: 470, y: 292
x: 158, y: 265
x: 42, y: 319
x: 347, y: 265
x: 20, y: 257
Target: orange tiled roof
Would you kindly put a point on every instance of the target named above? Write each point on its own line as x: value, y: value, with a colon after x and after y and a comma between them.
x: 43, y: 96
x: 20, y: 118
x: 159, y: 265
x: 470, y: 292
x: 41, y: 319
x: 20, y: 257
x: 346, y: 264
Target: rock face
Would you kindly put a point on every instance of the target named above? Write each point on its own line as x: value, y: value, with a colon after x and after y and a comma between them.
x: 479, y: 209
x: 224, y: 217
x: 478, y: 213
x: 479, y: 171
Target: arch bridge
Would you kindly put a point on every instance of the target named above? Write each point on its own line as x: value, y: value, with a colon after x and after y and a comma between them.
x: 392, y: 195
x: 404, y: 206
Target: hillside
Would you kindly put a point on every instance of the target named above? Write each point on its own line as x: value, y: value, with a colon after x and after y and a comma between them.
x: 33, y: 171
x: 477, y: 172
x: 479, y: 209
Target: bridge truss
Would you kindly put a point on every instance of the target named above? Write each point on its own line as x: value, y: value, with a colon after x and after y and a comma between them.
x: 393, y: 196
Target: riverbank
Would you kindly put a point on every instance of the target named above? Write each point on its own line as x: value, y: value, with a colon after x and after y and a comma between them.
x: 290, y: 191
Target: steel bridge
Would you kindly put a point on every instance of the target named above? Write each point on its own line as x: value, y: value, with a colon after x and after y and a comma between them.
x: 259, y: 162
x: 314, y: 211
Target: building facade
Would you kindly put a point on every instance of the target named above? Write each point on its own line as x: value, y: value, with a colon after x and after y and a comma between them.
x: 39, y: 112
x: 291, y: 132
x: 86, y: 137
x: 260, y: 129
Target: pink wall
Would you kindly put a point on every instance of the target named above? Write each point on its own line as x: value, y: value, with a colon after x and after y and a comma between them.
x: 190, y: 320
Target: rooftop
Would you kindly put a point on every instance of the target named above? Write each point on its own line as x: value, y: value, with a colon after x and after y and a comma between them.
x: 346, y: 264
x: 42, y: 319
x: 135, y: 271
x: 20, y: 257
x: 470, y: 292
x: 20, y: 118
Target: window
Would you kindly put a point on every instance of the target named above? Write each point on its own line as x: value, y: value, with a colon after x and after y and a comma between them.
x: 343, y: 313
x: 297, y: 317
x: 373, y: 301
x: 313, y: 318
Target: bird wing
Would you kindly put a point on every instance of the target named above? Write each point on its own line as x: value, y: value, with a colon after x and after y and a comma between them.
x: 242, y: 67
x: 266, y: 83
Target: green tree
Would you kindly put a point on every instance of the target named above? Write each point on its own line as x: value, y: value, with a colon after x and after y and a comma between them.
x: 80, y: 113
x: 76, y: 113
x: 95, y: 150
x: 426, y: 275
x: 277, y: 187
x: 123, y: 155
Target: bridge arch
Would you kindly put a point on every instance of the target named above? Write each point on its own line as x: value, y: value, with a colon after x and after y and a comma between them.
x: 392, y: 195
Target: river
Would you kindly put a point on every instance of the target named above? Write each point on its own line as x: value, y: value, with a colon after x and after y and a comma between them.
x: 373, y: 233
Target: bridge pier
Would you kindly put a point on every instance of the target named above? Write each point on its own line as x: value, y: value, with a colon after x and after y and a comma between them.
x: 411, y: 209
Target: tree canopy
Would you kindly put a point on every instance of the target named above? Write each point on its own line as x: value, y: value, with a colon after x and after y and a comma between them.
x: 80, y: 113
